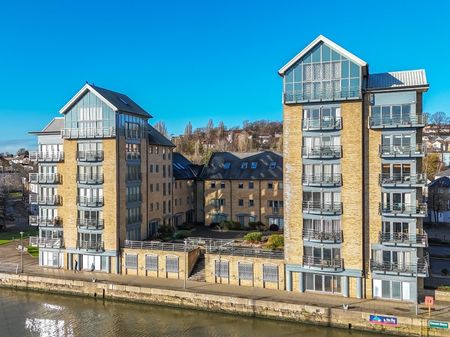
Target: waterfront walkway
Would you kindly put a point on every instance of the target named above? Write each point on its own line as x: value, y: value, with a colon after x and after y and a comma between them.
x: 441, y: 310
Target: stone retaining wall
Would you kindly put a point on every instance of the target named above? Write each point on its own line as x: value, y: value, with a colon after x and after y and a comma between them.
x: 335, y: 317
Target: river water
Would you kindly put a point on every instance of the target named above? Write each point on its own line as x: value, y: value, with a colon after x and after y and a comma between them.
x: 36, y: 314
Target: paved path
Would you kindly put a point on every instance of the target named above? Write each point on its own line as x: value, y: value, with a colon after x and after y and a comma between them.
x: 442, y: 310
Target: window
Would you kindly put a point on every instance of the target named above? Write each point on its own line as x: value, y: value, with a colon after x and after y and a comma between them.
x: 251, y: 203
x: 213, y: 185
x: 254, y: 165
x: 226, y: 165
x: 241, y: 185
x: 151, y: 168
x: 221, y: 269
x: 241, y: 202
x: 280, y: 185
x: 270, y: 273
x: 151, y: 187
x: 270, y: 185
x: 245, y: 271
x: 222, y: 184
x: 244, y: 165
x: 151, y: 262
x: 157, y: 168
x: 172, y: 264
x: 251, y: 184
x: 273, y: 165
x: 131, y: 261
x: 133, y: 151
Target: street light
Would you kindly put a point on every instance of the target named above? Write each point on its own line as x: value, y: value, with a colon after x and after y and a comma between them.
x: 185, y: 264
x: 21, y: 252
x: 417, y: 286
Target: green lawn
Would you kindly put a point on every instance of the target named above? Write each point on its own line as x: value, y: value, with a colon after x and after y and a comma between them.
x: 2, y: 242
x: 34, y: 251
x: 14, y: 235
x: 14, y: 195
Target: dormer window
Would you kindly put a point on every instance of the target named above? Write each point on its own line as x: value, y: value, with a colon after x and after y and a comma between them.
x: 273, y: 165
x: 244, y: 165
x: 254, y: 165
x: 226, y: 165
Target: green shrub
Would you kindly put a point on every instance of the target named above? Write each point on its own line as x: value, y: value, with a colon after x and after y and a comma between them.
x: 253, y: 237
x: 275, y: 241
x: 165, y: 232
x: 33, y: 251
x: 235, y: 225
x: 260, y: 226
x: 182, y: 234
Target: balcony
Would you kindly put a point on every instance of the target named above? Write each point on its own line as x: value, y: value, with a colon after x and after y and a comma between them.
x: 35, y: 220
x: 45, y: 200
x: 90, y: 156
x: 84, y: 133
x: 90, y: 201
x: 322, y: 152
x: 397, y: 268
x: 91, y: 224
x: 334, y: 264
x: 47, y: 156
x: 134, y: 177
x: 325, y: 95
x: 96, y: 246
x: 36, y: 241
x: 44, y: 178
x: 134, y: 198
x: 414, y: 121
x: 324, y: 208
x: 90, y: 179
x: 330, y: 123
x: 393, y: 180
x: 403, y: 239
x: 133, y: 155
x: 325, y: 180
x: 387, y: 151
x: 322, y: 236
x: 400, y: 209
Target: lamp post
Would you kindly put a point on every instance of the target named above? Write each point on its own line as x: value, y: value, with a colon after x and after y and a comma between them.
x: 21, y: 252
x: 417, y: 286
x: 185, y: 263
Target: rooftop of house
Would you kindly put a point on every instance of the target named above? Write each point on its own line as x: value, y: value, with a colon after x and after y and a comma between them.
x: 398, y: 79
x: 183, y: 168
x: 264, y: 165
x: 54, y: 127
x: 442, y: 181
x: 156, y: 138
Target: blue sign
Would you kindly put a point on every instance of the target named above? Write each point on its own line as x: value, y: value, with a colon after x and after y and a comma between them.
x: 384, y: 320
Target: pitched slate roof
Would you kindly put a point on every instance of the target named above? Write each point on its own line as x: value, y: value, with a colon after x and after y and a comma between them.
x: 156, y: 138
x: 54, y: 127
x: 440, y: 182
x: 183, y: 168
x: 116, y: 100
x: 398, y: 79
x: 215, y: 170
x: 445, y: 173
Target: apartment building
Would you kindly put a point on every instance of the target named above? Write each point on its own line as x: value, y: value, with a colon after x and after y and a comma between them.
x: 104, y: 177
x: 243, y: 187
x: 352, y: 176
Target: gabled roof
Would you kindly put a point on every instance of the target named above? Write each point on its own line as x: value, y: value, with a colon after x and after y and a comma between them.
x: 53, y: 128
x: 443, y: 181
x: 183, y: 168
x: 216, y: 170
x: 117, y: 101
x: 398, y: 79
x: 156, y: 138
x: 329, y: 43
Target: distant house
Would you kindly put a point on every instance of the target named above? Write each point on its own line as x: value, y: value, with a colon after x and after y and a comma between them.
x: 439, y: 198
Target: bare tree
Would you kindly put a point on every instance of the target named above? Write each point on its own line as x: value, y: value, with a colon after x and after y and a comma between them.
x: 162, y: 128
x: 188, y: 129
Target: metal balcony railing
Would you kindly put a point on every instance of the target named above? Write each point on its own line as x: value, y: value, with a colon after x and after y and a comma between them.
x: 329, y: 263
x: 134, y: 220
x: 134, y: 177
x: 397, y: 121
x: 402, y: 151
x: 90, y: 223
x: 402, y: 179
x: 133, y: 155
x: 322, y: 236
x: 325, y: 123
x: 421, y: 267
x: 90, y: 201
x: 90, y: 179
x: 90, y: 156
x: 322, y: 207
x: 44, y: 178
x: 323, y: 95
x: 322, y: 179
x: 88, y: 133
x: 36, y: 241
x: 90, y: 245
x: 46, y: 200
x: 155, y: 245
x: 47, y: 156
x: 396, y: 238
x: 134, y: 197
x: 35, y: 220
x: 322, y: 151
x: 392, y: 209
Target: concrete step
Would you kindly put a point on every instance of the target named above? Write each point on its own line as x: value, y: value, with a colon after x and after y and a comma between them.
x: 198, y: 273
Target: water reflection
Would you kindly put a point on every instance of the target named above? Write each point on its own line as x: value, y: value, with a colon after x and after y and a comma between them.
x: 42, y: 315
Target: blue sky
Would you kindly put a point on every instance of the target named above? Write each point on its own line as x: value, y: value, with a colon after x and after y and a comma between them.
x: 195, y: 60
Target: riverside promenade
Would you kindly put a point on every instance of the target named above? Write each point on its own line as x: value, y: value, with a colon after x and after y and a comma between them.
x: 314, y: 308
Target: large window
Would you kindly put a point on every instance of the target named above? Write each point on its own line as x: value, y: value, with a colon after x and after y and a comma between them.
x: 245, y: 271
x: 221, y: 268
x: 323, y: 283
x: 322, y: 74
x: 172, y: 264
x: 270, y: 273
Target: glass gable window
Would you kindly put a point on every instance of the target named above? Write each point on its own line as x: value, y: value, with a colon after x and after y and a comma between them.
x: 322, y: 74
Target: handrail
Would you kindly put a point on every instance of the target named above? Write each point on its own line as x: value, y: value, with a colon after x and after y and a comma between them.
x: 73, y: 133
x: 322, y: 151
x: 334, y: 263
x: 333, y: 235
x: 329, y: 179
x: 410, y: 179
x: 324, y: 123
